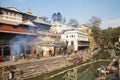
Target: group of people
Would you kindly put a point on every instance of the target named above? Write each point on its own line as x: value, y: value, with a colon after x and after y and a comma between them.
x: 104, y: 70
x: 13, y: 73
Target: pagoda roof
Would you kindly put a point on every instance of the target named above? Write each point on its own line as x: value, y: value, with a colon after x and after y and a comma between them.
x: 28, y: 23
x: 13, y: 8
x: 38, y: 20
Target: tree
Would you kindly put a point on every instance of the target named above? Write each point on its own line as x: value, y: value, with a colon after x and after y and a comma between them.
x: 94, y: 24
x: 54, y: 17
x: 64, y: 20
x: 94, y: 21
x: 110, y: 36
x: 59, y: 17
x: 73, y: 22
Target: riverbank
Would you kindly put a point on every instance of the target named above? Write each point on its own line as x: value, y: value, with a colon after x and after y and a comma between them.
x: 28, y: 68
x: 63, y: 74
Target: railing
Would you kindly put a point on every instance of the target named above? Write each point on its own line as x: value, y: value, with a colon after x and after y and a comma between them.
x: 48, y: 33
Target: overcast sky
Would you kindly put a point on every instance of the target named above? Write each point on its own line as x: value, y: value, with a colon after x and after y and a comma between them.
x: 82, y: 10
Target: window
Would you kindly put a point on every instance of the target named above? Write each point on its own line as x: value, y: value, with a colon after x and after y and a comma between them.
x: 67, y: 42
x: 15, y: 27
x: 72, y: 43
x: 71, y: 35
x: 67, y: 36
x: 0, y: 26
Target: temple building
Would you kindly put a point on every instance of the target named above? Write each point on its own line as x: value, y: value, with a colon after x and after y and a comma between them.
x: 58, y: 27
x: 18, y: 31
x: 76, y: 38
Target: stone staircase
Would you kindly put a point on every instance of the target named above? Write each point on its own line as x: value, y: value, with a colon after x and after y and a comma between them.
x: 36, y: 68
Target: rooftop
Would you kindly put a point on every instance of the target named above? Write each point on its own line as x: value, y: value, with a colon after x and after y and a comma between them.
x: 38, y: 20
x: 28, y: 23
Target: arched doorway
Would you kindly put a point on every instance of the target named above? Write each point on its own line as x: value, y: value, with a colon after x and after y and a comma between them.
x: 6, y: 52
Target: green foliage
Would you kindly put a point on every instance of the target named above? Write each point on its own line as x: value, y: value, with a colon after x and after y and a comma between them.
x: 96, y: 32
x: 110, y: 36
x: 106, y: 37
x: 102, y: 55
x: 83, y: 68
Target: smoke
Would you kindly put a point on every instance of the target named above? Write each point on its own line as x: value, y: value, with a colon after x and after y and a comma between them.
x: 15, y: 45
x: 19, y: 44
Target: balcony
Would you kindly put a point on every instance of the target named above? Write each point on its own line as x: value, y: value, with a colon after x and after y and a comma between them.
x: 16, y: 30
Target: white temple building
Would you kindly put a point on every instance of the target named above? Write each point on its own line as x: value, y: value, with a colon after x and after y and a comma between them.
x: 76, y: 37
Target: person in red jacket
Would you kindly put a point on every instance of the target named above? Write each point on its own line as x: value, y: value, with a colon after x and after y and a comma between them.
x: 0, y: 58
x: 110, y: 70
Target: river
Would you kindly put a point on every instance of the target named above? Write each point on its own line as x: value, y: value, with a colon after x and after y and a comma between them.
x: 80, y: 72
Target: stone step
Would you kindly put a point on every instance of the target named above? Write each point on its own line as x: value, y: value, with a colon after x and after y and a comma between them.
x: 33, y: 71
x: 33, y: 75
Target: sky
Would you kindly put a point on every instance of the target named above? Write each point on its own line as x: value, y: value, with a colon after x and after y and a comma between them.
x: 82, y: 10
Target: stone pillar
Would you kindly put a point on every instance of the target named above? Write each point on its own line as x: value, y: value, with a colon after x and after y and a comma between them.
x: 75, y: 45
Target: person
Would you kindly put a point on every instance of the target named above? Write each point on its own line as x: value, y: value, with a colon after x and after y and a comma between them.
x: 75, y: 52
x: 11, y: 74
x: 24, y: 56
x: 50, y: 52
x: 110, y: 70
x: 38, y: 56
x: 0, y: 58
x: 59, y: 51
x: 21, y: 55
